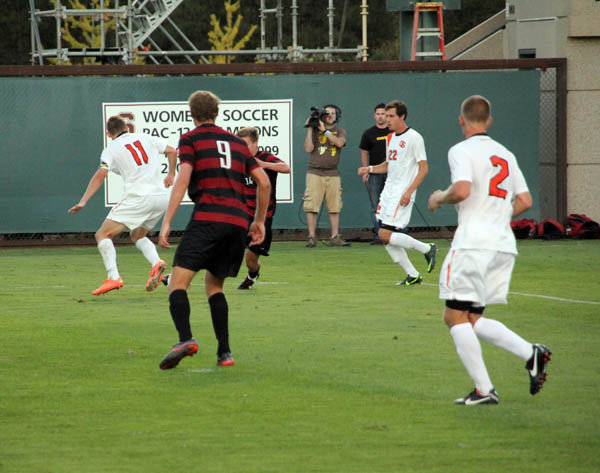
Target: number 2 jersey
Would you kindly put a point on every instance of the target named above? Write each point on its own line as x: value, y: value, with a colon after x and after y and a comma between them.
x: 136, y: 158
x: 495, y: 177
x: 220, y: 162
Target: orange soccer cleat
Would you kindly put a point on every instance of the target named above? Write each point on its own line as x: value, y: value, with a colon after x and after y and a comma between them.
x: 109, y: 285
x: 156, y: 275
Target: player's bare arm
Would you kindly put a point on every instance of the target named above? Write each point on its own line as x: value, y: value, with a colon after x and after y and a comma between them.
x: 419, y: 178
x: 172, y: 158
x: 177, y: 194
x: 380, y: 168
x: 95, y: 183
x: 282, y: 167
x: 522, y: 203
x: 263, y: 192
x: 454, y: 194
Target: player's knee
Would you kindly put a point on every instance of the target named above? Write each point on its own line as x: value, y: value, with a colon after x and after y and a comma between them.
x: 384, y: 235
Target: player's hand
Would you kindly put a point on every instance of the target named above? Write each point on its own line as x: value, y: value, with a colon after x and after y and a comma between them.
x: 169, y: 181
x: 434, y: 201
x: 257, y: 233
x: 76, y: 208
x: 405, y: 199
x: 163, y: 237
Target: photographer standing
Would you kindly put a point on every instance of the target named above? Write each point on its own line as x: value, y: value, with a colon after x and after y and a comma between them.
x: 324, y: 142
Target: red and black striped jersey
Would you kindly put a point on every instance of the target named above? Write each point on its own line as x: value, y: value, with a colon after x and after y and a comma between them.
x: 251, y: 185
x: 221, y: 162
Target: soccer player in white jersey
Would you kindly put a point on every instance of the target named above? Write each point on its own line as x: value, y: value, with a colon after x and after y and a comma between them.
x: 406, y: 168
x: 488, y: 189
x: 135, y: 157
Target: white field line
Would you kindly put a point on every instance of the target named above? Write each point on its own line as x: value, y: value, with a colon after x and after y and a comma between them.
x: 539, y: 296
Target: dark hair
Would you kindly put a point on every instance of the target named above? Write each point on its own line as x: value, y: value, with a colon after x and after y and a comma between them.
x: 399, y: 106
x: 204, y: 105
x: 379, y: 105
x: 115, y: 125
x: 476, y: 109
x: 338, y: 111
x: 250, y: 132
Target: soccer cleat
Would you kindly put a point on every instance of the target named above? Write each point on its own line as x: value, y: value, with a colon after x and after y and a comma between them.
x: 109, y: 285
x: 156, y: 275
x: 409, y: 281
x: 312, y: 242
x: 248, y: 282
x: 179, y: 351
x: 430, y: 257
x: 225, y: 359
x: 337, y: 241
x: 165, y: 279
x: 475, y: 397
x: 537, y: 366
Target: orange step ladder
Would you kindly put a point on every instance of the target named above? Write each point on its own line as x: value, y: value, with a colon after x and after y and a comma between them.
x: 418, y: 33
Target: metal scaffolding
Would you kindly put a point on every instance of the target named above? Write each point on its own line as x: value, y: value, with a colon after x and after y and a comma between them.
x: 137, y: 21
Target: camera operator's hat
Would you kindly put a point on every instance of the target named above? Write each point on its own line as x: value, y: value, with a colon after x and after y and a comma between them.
x: 338, y: 111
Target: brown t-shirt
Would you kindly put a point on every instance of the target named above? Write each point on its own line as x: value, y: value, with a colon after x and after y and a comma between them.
x: 325, y: 157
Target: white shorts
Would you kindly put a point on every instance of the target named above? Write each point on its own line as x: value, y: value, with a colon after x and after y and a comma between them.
x: 478, y: 276
x: 136, y: 212
x: 392, y: 213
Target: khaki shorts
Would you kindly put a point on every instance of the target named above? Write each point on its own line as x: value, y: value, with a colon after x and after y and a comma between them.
x: 323, y: 187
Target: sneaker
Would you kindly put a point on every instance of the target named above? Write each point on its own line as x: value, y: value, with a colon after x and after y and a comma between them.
x: 537, y: 366
x: 179, y: 351
x: 165, y: 279
x: 312, y: 242
x: 337, y: 241
x: 109, y: 285
x: 225, y: 359
x: 475, y: 397
x: 247, y: 283
x: 430, y: 257
x: 409, y: 281
x: 156, y: 275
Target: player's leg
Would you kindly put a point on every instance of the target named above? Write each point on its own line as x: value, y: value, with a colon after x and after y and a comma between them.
x: 399, y: 256
x: 219, y: 312
x: 148, y: 249
x: 104, y: 239
x: 253, y: 270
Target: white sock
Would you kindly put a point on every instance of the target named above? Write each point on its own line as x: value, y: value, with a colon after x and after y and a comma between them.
x: 469, y: 352
x: 406, y: 241
x: 400, y: 257
x: 109, y: 256
x: 148, y: 249
x: 498, y: 334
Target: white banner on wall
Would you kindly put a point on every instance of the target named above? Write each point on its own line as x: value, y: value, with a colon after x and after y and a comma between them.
x: 170, y: 120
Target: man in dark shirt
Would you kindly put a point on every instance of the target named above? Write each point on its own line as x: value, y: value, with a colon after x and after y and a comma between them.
x: 213, y: 168
x: 372, y: 152
x: 272, y: 166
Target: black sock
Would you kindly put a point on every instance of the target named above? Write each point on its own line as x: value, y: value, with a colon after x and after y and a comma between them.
x: 219, y: 312
x: 179, y: 305
x: 252, y: 274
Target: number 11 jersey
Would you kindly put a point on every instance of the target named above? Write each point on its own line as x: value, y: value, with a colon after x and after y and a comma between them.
x: 495, y: 177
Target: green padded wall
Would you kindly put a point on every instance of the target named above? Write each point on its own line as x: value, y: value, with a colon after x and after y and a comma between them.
x: 52, y: 129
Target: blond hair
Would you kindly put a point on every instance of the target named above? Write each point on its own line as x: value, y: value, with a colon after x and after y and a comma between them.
x: 251, y: 132
x: 476, y: 109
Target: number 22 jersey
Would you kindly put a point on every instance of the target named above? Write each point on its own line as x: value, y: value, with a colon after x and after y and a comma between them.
x: 495, y: 177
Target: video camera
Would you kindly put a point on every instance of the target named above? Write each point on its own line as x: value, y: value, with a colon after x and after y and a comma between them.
x: 316, y: 114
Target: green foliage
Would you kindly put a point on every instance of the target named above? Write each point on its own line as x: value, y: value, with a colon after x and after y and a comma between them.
x: 337, y: 369
x: 224, y: 38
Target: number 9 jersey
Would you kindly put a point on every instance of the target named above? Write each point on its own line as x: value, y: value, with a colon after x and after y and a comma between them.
x: 495, y: 178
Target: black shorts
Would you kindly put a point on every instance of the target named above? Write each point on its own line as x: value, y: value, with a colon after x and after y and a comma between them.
x: 265, y: 246
x: 214, y: 246
x: 390, y: 227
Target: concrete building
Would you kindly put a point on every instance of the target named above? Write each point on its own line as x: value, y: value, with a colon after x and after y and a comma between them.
x: 554, y: 28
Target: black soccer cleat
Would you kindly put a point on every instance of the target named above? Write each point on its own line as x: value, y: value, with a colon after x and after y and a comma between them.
x: 537, y: 367
x: 248, y: 282
x: 430, y: 257
x: 179, y: 351
x: 225, y: 359
x: 475, y: 398
x: 410, y: 281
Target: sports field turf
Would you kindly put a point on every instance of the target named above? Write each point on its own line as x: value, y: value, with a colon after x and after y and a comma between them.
x: 337, y: 369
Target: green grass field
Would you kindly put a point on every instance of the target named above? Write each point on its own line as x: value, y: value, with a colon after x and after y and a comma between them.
x: 337, y: 369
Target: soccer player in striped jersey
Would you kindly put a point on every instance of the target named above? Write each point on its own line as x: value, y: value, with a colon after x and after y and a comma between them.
x: 214, y: 165
x: 272, y: 166
x: 488, y: 189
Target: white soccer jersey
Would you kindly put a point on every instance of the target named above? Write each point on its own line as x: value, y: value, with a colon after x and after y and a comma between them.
x: 135, y: 157
x: 484, y: 217
x: 403, y: 153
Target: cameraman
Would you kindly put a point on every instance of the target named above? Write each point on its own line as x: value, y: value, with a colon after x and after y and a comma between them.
x: 324, y: 142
